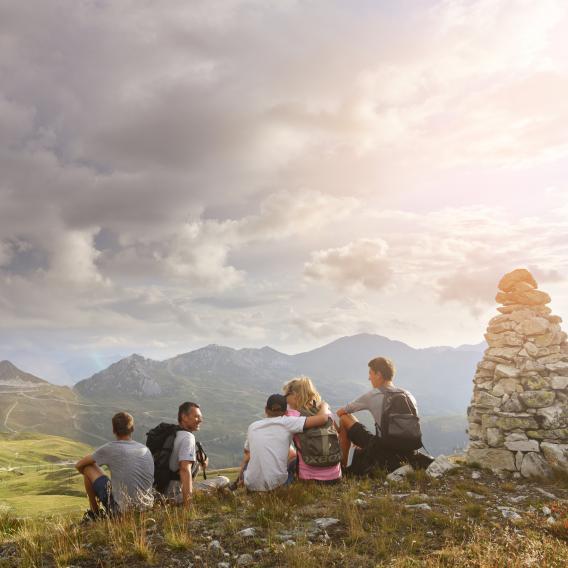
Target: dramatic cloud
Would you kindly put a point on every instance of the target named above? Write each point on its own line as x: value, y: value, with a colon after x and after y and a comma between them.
x: 358, y: 266
x: 227, y: 171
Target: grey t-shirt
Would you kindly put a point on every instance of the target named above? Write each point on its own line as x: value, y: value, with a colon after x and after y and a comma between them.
x: 132, y: 472
x: 373, y: 402
x: 183, y: 450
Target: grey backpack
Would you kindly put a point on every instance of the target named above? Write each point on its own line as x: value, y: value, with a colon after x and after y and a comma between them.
x: 319, y: 447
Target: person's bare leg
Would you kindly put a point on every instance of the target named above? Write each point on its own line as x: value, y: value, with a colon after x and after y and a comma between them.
x: 90, y: 474
x: 345, y: 424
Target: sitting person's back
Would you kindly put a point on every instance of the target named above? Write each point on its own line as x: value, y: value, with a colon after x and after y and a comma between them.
x: 380, y: 449
x: 267, y: 447
x: 303, y: 399
x: 132, y: 469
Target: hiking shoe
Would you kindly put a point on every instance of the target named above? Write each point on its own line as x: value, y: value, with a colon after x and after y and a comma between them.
x: 92, y: 516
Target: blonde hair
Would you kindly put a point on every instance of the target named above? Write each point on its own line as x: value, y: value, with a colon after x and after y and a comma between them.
x: 305, y: 391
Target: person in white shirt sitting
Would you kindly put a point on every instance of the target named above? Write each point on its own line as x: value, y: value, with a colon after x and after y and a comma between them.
x: 267, y: 449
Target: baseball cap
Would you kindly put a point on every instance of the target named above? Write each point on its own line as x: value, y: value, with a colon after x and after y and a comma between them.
x: 276, y: 403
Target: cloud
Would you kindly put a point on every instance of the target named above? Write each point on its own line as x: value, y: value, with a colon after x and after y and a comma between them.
x: 360, y: 265
x: 195, y: 170
x: 6, y: 253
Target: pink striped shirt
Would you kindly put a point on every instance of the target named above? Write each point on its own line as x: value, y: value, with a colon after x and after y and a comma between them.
x: 309, y: 471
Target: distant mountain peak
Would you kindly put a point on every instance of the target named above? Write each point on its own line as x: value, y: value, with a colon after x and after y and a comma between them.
x: 9, y: 372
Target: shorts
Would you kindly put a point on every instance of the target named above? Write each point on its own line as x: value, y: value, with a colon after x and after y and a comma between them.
x: 371, y: 454
x: 103, y: 490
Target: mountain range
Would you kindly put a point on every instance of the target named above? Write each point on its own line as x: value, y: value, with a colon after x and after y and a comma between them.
x: 231, y: 385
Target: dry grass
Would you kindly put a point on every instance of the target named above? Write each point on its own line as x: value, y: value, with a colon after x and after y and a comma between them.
x: 375, y: 528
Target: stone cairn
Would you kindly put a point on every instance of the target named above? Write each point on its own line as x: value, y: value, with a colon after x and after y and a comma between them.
x: 518, y: 417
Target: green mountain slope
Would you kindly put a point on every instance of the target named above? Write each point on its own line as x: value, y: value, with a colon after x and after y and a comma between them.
x: 37, y: 476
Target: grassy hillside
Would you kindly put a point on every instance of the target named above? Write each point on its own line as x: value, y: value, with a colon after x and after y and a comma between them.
x: 468, y: 519
x: 36, y: 477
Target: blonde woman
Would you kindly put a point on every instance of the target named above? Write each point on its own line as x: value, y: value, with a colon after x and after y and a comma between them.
x: 319, y: 453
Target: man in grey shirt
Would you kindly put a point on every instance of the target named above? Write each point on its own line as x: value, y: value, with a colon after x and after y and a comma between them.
x: 132, y: 470
x: 184, y: 456
x: 369, y: 451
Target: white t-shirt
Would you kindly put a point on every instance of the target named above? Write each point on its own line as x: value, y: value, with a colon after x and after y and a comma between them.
x: 268, y: 441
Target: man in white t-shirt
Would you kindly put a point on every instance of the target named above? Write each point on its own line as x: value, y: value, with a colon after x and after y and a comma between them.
x: 184, y: 456
x: 265, y: 463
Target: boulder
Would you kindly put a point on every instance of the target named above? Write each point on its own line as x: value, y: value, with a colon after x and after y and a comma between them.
x: 559, y: 383
x: 474, y: 431
x: 531, y: 349
x: 245, y: 560
x: 556, y: 454
x: 494, y: 437
x: 483, y: 398
x: 516, y: 421
x: 534, y: 465
x: 501, y: 326
x: 487, y: 365
x: 537, y: 399
x: 548, y: 339
x: 559, y: 368
x: 506, y: 372
x: 531, y: 297
x: 533, y: 326
x: 488, y: 421
x: 507, y: 339
x: 554, y: 434
x: 492, y: 459
x: 508, y: 353
x: 513, y: 405
x: 325, y: 522
x: 506, y: 386
x: 400, y: 473
x: 523, y: 446
x: 514, y: 277
x: 554, y: 416
x: 516, y: 437
x: 550, y: 357
x: 534, y: 382
x: 440, y: 466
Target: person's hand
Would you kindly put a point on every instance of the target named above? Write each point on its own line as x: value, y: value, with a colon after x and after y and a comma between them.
x: 341, y: 412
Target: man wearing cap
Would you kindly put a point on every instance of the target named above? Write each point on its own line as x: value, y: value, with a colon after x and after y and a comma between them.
x: 265, y: 463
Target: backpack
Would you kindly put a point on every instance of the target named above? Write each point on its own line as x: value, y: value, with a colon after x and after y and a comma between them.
x: 400, y: 425
x: 319, y: 446
x: 160, y: 442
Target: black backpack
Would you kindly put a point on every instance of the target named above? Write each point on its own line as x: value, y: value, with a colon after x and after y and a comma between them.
x: 160, y: 442
x: 400, y: 425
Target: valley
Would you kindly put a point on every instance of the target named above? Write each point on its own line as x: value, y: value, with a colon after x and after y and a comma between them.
x: 231, y: 386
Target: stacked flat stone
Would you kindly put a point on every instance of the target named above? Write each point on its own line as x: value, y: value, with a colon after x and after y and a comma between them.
x: 518, y: 417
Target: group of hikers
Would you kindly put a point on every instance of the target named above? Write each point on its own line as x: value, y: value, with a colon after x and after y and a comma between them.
x: 299, y: 438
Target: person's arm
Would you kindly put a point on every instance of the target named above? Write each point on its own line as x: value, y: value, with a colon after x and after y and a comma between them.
x: 320, y: 419
x: 186, y: 481
x: 84, y: 462
x: 245, y: 460
x: 361, y: 403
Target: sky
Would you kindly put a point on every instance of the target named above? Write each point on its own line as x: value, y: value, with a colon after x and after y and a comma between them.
x: 283, y: 173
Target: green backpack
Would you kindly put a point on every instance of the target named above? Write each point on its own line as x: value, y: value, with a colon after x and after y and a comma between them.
x: 319, y: 446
